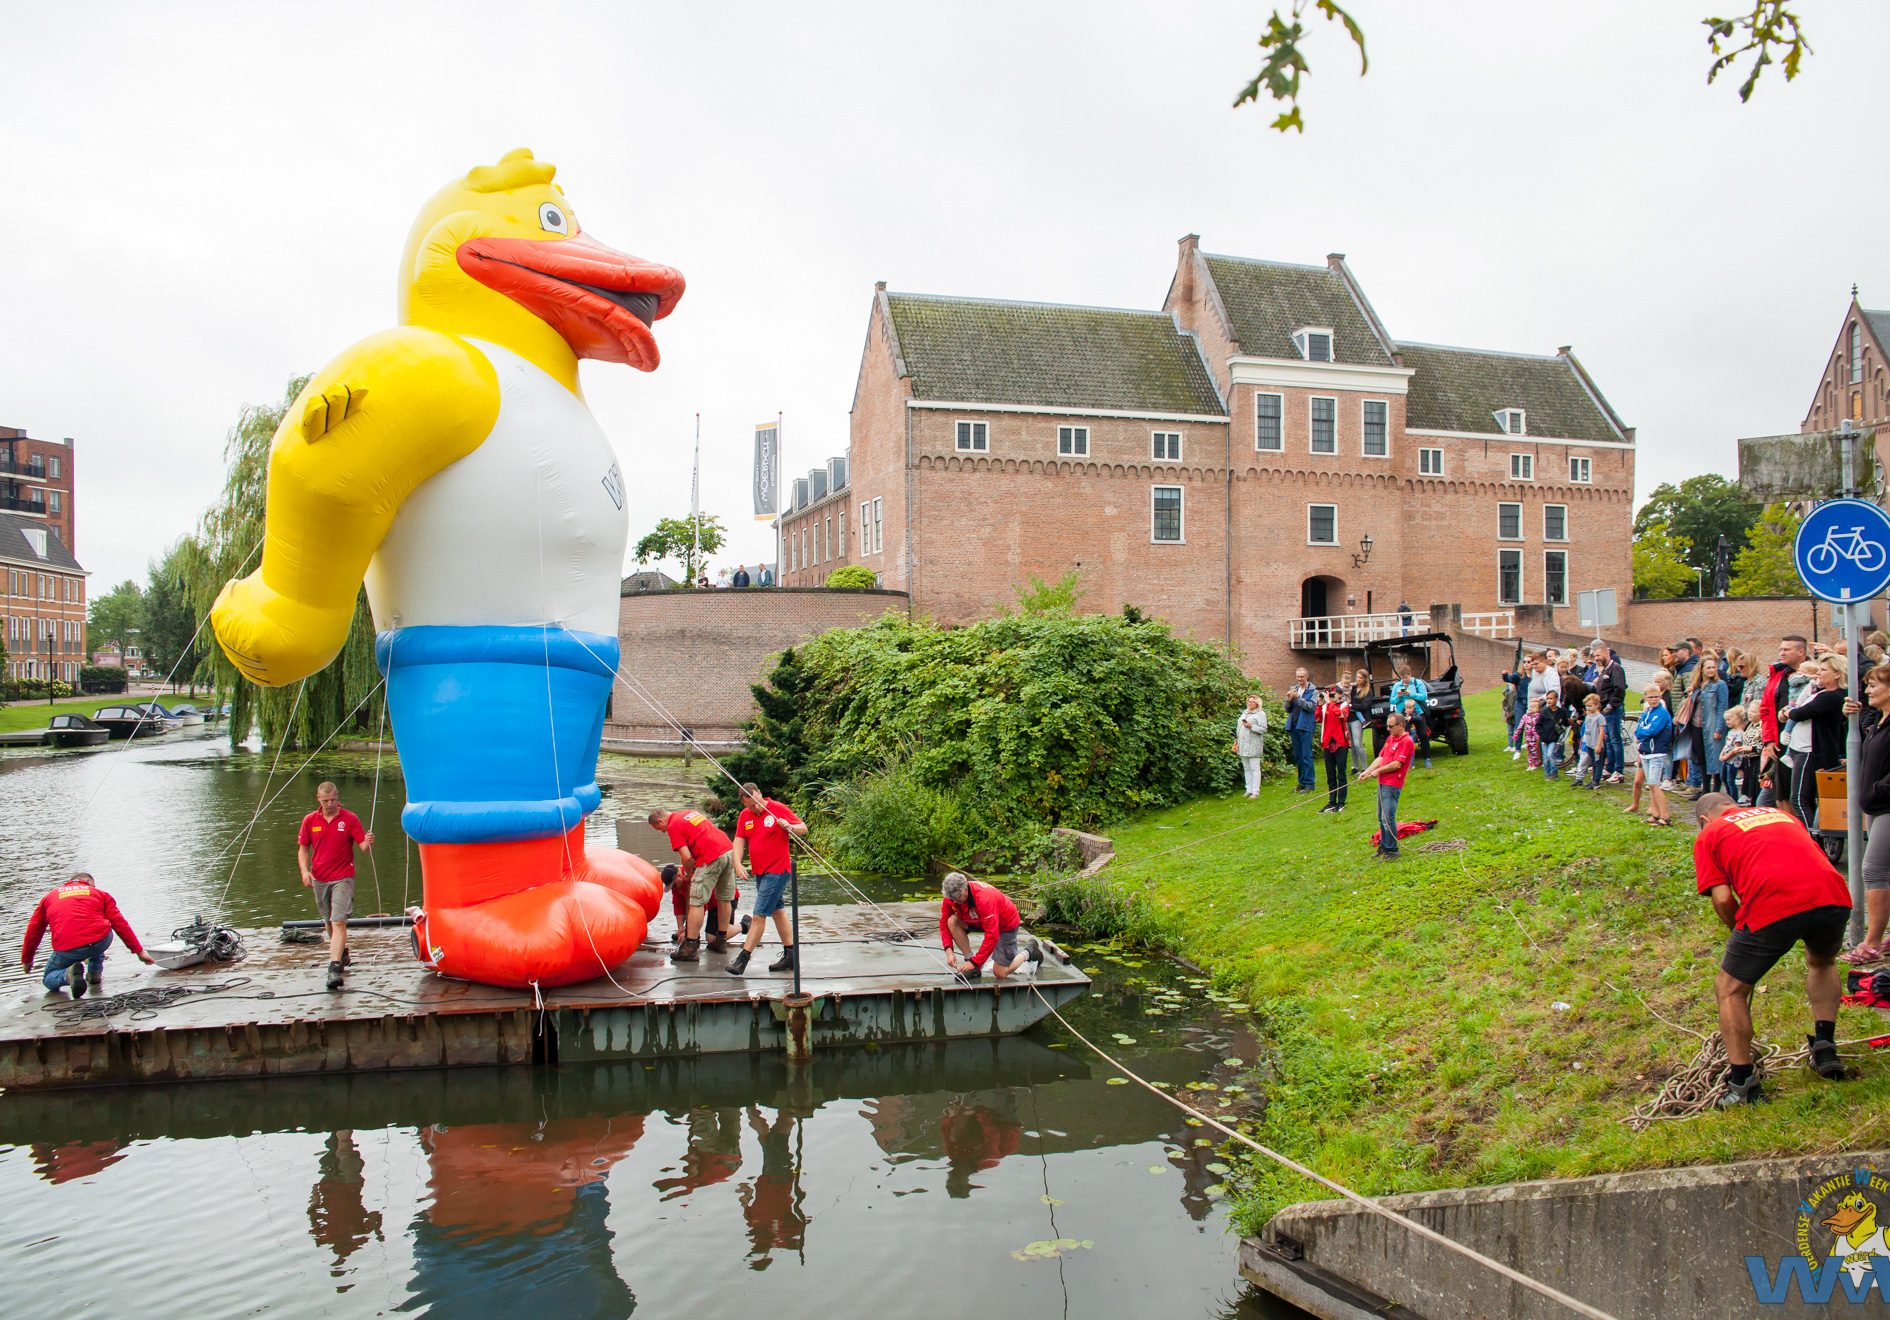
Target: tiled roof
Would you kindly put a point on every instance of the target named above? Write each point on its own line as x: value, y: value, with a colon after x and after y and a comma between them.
x: 1459, y: 389
x: 1267, y: 300
x: 15, y: 546
x: 978, y: 350
x: 1879, y: 325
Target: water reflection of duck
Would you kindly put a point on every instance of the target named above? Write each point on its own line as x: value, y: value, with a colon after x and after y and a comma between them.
x: 517, y: 1224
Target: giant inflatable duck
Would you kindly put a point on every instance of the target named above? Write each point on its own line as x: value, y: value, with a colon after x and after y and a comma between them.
x: 451, y: 462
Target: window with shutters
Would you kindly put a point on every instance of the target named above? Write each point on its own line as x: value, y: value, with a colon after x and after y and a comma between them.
x: 1325, y: 413
x: 1266, y: 421
x: 1322, y: 524
x: 1377, y: 444
x: 1509, y: 577
x: 1165, y: 513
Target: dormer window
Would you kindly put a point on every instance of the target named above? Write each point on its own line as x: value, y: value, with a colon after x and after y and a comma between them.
x: 1510, y: 421
x: 36, y: 537
x: 1314, y: 342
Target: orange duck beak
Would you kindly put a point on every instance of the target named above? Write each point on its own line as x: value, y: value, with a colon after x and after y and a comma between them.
x: 600, y: 300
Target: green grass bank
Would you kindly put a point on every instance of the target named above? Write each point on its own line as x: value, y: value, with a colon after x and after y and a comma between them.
x: 1411, y: 1007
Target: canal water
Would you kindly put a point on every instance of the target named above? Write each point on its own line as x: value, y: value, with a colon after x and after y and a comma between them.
x: 983, y: 1177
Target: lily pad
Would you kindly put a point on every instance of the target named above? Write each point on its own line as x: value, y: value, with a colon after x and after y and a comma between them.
x: 1203, y: 1141
x: 1218, y: 1189
x: 1051, y: 1248
x: 1219, y: 1169
x: 1124, y: 1040
x: 1048, y: 1199
x: 1118, y: 1081
x: 1158, y: 1168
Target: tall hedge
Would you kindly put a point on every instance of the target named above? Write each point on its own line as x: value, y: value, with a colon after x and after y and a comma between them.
x: 1029, y: 720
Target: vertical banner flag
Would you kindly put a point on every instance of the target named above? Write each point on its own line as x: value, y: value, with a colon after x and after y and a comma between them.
x: 767, y: 468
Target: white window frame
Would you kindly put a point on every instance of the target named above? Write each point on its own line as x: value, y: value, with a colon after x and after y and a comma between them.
x: 866, y: 528
x: 1302, y: 340
x: 879, y: 525
x: 1363, y: 406
x: 1181, y: 519
x: 972, y: 437
x: 1279, y: 422
x: 52, y: 465
x: 1070, y: 435
x: 1312, y: 436
x: 1158, y: 447
x: 1521, y: 585
x: 1335, y: 524
x: 1581, y: 471
x: 1545, y: 577
x: 1563, y: 538
x: 1512, y: 421
x: 1434, y: 458
x: 1509, y: 504
x: 1522, y: 467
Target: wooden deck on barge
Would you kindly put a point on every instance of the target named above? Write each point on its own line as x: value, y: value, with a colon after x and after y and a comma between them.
x: 275, y: 1017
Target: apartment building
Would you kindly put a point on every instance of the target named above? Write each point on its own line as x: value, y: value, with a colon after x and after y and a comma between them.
x: 42, y: 601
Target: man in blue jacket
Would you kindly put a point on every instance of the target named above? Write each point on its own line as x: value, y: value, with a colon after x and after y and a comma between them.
x: 1302, y: 724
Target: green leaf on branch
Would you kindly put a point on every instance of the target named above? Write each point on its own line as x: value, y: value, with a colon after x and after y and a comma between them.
x: 1770, y: 25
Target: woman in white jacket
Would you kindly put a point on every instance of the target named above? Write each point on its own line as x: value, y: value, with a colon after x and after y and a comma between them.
x: 1250, y: 742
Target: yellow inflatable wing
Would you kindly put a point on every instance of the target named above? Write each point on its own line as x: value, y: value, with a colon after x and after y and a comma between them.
x: 372, y: 425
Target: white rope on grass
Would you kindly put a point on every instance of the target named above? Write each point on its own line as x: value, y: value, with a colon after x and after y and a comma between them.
x: 1576, y: 1305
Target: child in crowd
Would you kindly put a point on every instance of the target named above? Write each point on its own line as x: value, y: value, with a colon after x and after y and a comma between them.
x: 1593, y: 737
x: 1531, y: 740
x: 1653, y: 736
x: 1739, y: 755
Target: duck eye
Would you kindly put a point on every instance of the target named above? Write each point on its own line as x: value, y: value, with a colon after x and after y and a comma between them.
x: 551, y: 217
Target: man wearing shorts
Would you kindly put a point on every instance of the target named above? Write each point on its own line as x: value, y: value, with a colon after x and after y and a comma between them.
x: 970, y: 906
x: 1773, y: 887
x: 762, y: 831
x: 325, y: 849
x: 709, y: 869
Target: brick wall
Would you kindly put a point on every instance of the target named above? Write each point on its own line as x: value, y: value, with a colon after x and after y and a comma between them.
x: 697, y: 652
x: 1750, y: 623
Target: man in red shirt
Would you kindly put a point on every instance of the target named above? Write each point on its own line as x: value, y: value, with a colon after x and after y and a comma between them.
x: 81, y: 917
x: 1773, y: 887
x: 325, y: 851
x: 762, y: 832
x: 709, y: 869
x: 970, y: 905
x: 1389, y: 769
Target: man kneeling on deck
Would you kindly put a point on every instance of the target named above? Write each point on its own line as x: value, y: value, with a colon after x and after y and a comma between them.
x: 81, y: 917
x: 971, y: 906
x: 762, y: 831
x: 709, y: 869
x: 1773, y: 887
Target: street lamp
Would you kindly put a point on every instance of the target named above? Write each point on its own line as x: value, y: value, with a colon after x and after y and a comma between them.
x: 1364, y: 555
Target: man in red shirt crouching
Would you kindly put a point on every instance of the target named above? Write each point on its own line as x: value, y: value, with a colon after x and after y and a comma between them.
x: 81, y: 917
x: 325, y: 849
x: 970, y: 905
x: 709, y: 869
x: 1773, y: 887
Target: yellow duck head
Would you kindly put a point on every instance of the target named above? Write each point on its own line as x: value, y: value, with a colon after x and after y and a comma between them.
x: 498, y: 255
x: 1854, y: 1219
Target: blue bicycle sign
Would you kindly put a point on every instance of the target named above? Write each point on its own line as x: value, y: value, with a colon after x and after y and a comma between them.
x: 1843, y: 550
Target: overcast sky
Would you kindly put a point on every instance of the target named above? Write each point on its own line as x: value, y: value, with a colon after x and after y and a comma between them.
x: 205, y: 200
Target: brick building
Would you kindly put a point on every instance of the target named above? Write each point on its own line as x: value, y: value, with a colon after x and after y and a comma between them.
x: 36, y: 480
x: 1258, y: 452
x: 1854, y: 386
x: 42, y: 600
x: 813, y: 526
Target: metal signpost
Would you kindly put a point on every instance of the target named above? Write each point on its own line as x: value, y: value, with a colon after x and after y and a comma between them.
x: 1597, y: 610
x: 1843, y: 555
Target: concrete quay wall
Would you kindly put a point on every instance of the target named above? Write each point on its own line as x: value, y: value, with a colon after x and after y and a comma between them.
x: 1649, y: 1245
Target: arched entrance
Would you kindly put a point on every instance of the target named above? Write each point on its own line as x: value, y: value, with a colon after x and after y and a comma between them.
x: 1321, y: 598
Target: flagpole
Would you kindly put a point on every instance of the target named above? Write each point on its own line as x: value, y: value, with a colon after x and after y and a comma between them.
x: 695, y: 499
x: 778, y: 512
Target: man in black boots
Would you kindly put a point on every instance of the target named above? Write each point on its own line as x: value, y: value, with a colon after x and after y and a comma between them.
x: 1774, y: 888
x: 762, y: 831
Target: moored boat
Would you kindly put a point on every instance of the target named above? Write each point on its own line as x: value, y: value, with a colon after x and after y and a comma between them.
x: 186, y: 715
x: 127, y: 722
x: 61, y: 731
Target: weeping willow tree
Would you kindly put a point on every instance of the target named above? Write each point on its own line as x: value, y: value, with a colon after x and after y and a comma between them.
x: 228, y: 544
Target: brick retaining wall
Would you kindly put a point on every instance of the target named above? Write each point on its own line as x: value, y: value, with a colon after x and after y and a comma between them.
x: 1751, y: 623
x: 697, y: 652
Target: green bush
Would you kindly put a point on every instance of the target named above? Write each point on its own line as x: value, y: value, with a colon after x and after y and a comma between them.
x: 853, y: 577
x: 27, y: 689
x: 891, y: 823
x: 103, y: 674
x: 1037, y: 719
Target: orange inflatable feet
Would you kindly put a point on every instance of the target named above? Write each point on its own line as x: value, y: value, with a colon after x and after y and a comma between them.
x: 535, y: 911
